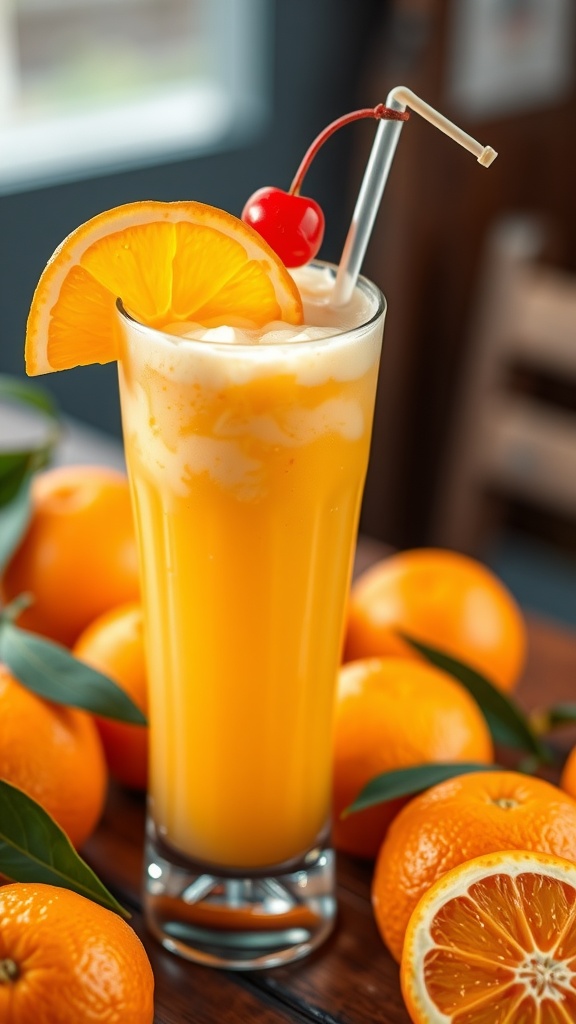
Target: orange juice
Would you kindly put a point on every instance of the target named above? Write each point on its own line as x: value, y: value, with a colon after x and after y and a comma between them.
x: 247, y: 459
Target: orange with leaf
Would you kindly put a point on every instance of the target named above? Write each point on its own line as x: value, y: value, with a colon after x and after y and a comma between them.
x: 442, y: 599
x: 459, y: 819
x: 114, y: 645
x: 65, y: 960
x: 78, y: 556
x: 54, y: 754
x: 394, y: 713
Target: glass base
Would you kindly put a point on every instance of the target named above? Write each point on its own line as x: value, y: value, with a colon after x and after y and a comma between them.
x: 238, y: 922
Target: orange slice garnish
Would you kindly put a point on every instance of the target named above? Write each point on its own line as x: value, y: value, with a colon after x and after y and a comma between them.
x: 167, y: 262
x: 494, y: 942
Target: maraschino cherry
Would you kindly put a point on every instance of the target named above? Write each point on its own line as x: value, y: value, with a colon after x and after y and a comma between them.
x: 293, y: 225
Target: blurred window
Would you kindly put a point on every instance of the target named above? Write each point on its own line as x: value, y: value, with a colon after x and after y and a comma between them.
x: 89, y: 86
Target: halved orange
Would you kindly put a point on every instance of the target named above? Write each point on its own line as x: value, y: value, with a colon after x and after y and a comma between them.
x: 167, y: 262
x: 494, y: 942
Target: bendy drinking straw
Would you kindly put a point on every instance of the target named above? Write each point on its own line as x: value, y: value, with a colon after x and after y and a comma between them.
x: 376, y: 176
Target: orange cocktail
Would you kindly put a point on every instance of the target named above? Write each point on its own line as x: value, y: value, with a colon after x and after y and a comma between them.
x: 247, y: 404
x: 247, y: 463
x: 247, y: 442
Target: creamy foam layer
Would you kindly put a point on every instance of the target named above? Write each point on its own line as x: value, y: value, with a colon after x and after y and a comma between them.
x: 234, y: 454
x: 236, y: 353
x: 169, y: 381
x: 321, y: 319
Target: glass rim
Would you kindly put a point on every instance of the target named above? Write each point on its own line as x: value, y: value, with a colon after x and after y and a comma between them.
x: 243, y: 349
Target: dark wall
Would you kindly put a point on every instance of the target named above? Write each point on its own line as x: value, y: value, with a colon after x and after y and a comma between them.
x: 426, y: 254
x: 318, y: 52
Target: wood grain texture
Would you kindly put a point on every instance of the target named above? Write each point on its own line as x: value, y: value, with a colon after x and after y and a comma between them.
x: 351, y: 980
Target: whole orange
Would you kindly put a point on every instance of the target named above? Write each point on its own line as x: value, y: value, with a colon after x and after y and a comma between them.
x: 465, y: 817
x: 394, y: 713
x: 114, y: 644
x: 78, y: 556
x: 443, y: 599
x: 55, y: 755
x: 66, y: 960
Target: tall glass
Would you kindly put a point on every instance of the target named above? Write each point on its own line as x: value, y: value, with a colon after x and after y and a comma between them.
x: 246, y: 464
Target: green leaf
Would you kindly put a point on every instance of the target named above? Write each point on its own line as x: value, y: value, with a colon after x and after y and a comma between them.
x: 17, y: 464
x: 407, y: 781
x: 14, y: 519
x: 508, y: 724
x: 14, y: 468
x: 49, y: 670
x: 558, y: 714
x: 22, y: 391
x: 33, y: 848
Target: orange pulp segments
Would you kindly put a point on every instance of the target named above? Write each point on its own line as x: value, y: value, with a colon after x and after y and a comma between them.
x: 168, y: 262
x: 494, y: 942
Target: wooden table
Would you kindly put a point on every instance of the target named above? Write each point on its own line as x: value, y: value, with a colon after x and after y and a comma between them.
x: 352, y: 979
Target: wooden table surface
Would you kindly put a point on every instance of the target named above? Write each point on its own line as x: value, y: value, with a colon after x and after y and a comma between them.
x: 352, y: 979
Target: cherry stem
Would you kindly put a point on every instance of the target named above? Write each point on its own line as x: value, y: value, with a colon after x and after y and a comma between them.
x: 379, y: 112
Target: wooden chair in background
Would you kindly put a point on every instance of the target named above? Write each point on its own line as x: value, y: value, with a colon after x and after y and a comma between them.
x: 508, y: 441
